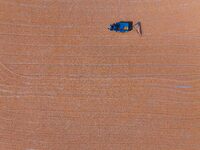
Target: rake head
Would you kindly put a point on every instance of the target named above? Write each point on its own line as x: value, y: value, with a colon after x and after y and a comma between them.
x: 138, y: 28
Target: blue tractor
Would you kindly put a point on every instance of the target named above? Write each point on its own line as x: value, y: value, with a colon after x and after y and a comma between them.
x: 125, y: 26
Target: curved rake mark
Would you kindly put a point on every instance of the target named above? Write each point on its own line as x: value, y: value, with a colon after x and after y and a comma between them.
x: 13, y: 73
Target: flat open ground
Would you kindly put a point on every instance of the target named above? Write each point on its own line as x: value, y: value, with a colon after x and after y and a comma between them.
x: 67, y: 83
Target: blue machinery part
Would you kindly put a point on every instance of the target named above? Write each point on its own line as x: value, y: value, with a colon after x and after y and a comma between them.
x: 125, y: 26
